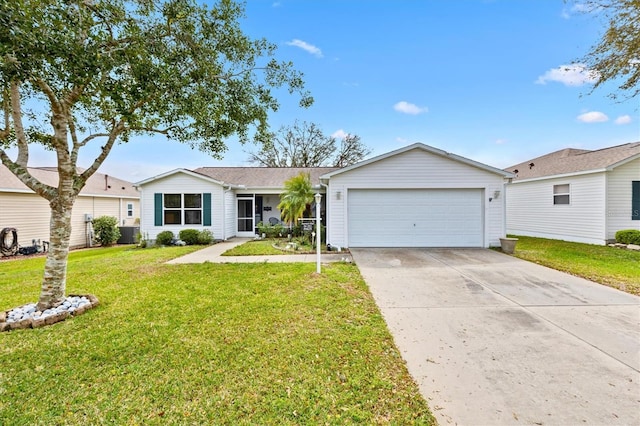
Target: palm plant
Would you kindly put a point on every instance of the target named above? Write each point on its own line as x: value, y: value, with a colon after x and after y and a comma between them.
x: 298, y: 193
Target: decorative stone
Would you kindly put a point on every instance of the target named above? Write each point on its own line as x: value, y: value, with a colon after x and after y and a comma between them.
x: 38, y: 322
x: 27, y: 316
x: 633, y: 247
x: 24, y: 323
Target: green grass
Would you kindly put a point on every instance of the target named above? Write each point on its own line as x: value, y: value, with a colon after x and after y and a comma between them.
x: 203, y: 344
x: 265, y: 248
x: 613, y: 267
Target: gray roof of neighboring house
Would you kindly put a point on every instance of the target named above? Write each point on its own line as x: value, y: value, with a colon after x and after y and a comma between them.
x: 262, y: 177
x: 569, y: 161
x: 99, y: 184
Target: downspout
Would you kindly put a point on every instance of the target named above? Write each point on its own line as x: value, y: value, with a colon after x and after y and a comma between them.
x: 224, y: 212
x: 328, y: 209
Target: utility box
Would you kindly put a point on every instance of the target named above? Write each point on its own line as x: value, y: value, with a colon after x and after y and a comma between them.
x: 128, y: 234
x: 88, y: 217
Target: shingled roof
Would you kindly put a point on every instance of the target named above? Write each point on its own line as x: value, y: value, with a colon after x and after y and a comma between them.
x: 569, y: 160
x: 261, y: 177
x: 99, y: 185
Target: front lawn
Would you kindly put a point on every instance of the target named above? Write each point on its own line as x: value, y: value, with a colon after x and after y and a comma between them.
x: 614, y: 267
x: 203, y: 344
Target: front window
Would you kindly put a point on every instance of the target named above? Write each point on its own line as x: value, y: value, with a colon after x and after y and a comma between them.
x: 183, y: 209
x: 561, y: 194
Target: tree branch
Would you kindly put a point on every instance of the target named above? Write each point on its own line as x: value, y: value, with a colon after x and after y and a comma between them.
x: 21, y: 138
x: 22, y: 173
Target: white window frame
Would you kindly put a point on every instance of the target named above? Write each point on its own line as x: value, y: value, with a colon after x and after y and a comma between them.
x: 559, y: 193
x: 129, y: 209
x: 182, y: 209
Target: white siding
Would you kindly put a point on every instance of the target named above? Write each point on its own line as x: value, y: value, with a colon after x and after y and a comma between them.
x: 417, y: 169
x: 229, y: 215
x: 181, y: 183
x: 531, y: 212
x: 619, y: 198
x: 30, y: 215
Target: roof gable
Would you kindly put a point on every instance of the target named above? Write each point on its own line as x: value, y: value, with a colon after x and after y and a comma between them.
x: 178, y: 171
x: 575, y: 161
x: 425, y: 148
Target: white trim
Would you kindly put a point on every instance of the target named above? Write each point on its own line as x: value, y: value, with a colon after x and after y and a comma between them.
x: 561, y: 176
x: 176, y: 171
x: 422, y: 147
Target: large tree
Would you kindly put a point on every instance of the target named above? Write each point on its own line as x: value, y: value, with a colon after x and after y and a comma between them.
x: 616, y: 56
x: 98, y: 72
x: 305, y: 145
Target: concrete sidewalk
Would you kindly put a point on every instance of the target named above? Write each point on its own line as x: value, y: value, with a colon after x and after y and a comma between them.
x: 213, y: 254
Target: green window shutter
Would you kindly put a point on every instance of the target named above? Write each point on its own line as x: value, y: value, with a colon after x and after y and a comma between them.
x: 635, y: 200
x: 206, y: 209
x: 157, y: 209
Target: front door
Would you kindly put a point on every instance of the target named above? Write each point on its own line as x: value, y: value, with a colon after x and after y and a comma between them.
x: 245, y: 217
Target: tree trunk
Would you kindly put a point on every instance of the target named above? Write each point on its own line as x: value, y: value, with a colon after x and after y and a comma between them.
x: 55, y: 269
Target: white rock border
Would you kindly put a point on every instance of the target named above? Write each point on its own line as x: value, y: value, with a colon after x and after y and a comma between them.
x: 59, y: 312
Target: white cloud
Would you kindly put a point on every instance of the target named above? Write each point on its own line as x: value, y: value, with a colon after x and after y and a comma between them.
x: 569, y: 75
x: 623, y: 119
x: 501, y: 141
x: 409, y: 108
x: 593, y: 117
x: 306, y: 46
x: 577, y: 8
x: 339, y: 134
x: 401, y: 140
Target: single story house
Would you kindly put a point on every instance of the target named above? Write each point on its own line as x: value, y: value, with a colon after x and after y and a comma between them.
x: 576, y: 194
x: 29, y: 213
x: 416, y: 196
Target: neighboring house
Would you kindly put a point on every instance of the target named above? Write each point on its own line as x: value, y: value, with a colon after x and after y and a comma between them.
x: 576, y: 195
x: 29, y: 213
x: 417, y: 196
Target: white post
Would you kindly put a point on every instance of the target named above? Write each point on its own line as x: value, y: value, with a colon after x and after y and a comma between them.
x: 318, y: 197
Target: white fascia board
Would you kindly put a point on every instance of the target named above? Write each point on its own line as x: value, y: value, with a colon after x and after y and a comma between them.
x: 560, y: 176
x: 621, y: 162
x: 175, y: 171
x: 426, y: 148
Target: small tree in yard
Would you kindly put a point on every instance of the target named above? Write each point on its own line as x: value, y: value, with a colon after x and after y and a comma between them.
x: 99, y: 72
x: 106, y: 230
x: 298, y: 193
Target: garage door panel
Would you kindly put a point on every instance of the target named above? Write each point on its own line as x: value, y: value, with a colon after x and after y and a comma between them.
x: 415, y: 218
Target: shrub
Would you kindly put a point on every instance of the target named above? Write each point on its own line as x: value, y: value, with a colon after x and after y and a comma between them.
x: 165, y: 238
x: 106, y: 230
x: 189, y: 236
x: 628, y: 236
x: 205, y: 237
x: 271, y: 231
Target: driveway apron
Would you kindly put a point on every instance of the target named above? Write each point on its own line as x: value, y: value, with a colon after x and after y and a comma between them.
x: 494, y: 340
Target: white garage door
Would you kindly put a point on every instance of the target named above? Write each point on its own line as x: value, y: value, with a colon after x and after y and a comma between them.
x: 415, y: 218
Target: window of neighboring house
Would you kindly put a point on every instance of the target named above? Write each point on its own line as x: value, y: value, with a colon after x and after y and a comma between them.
x: 182, y: 209
x: 635, y: 200
x: 561, y: 194
x: 129, y: 209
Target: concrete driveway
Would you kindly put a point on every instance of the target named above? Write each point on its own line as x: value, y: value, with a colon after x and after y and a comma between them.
x: 491, y: 339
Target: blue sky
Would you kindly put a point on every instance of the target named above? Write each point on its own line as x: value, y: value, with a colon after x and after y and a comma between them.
x: 479, y: 78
